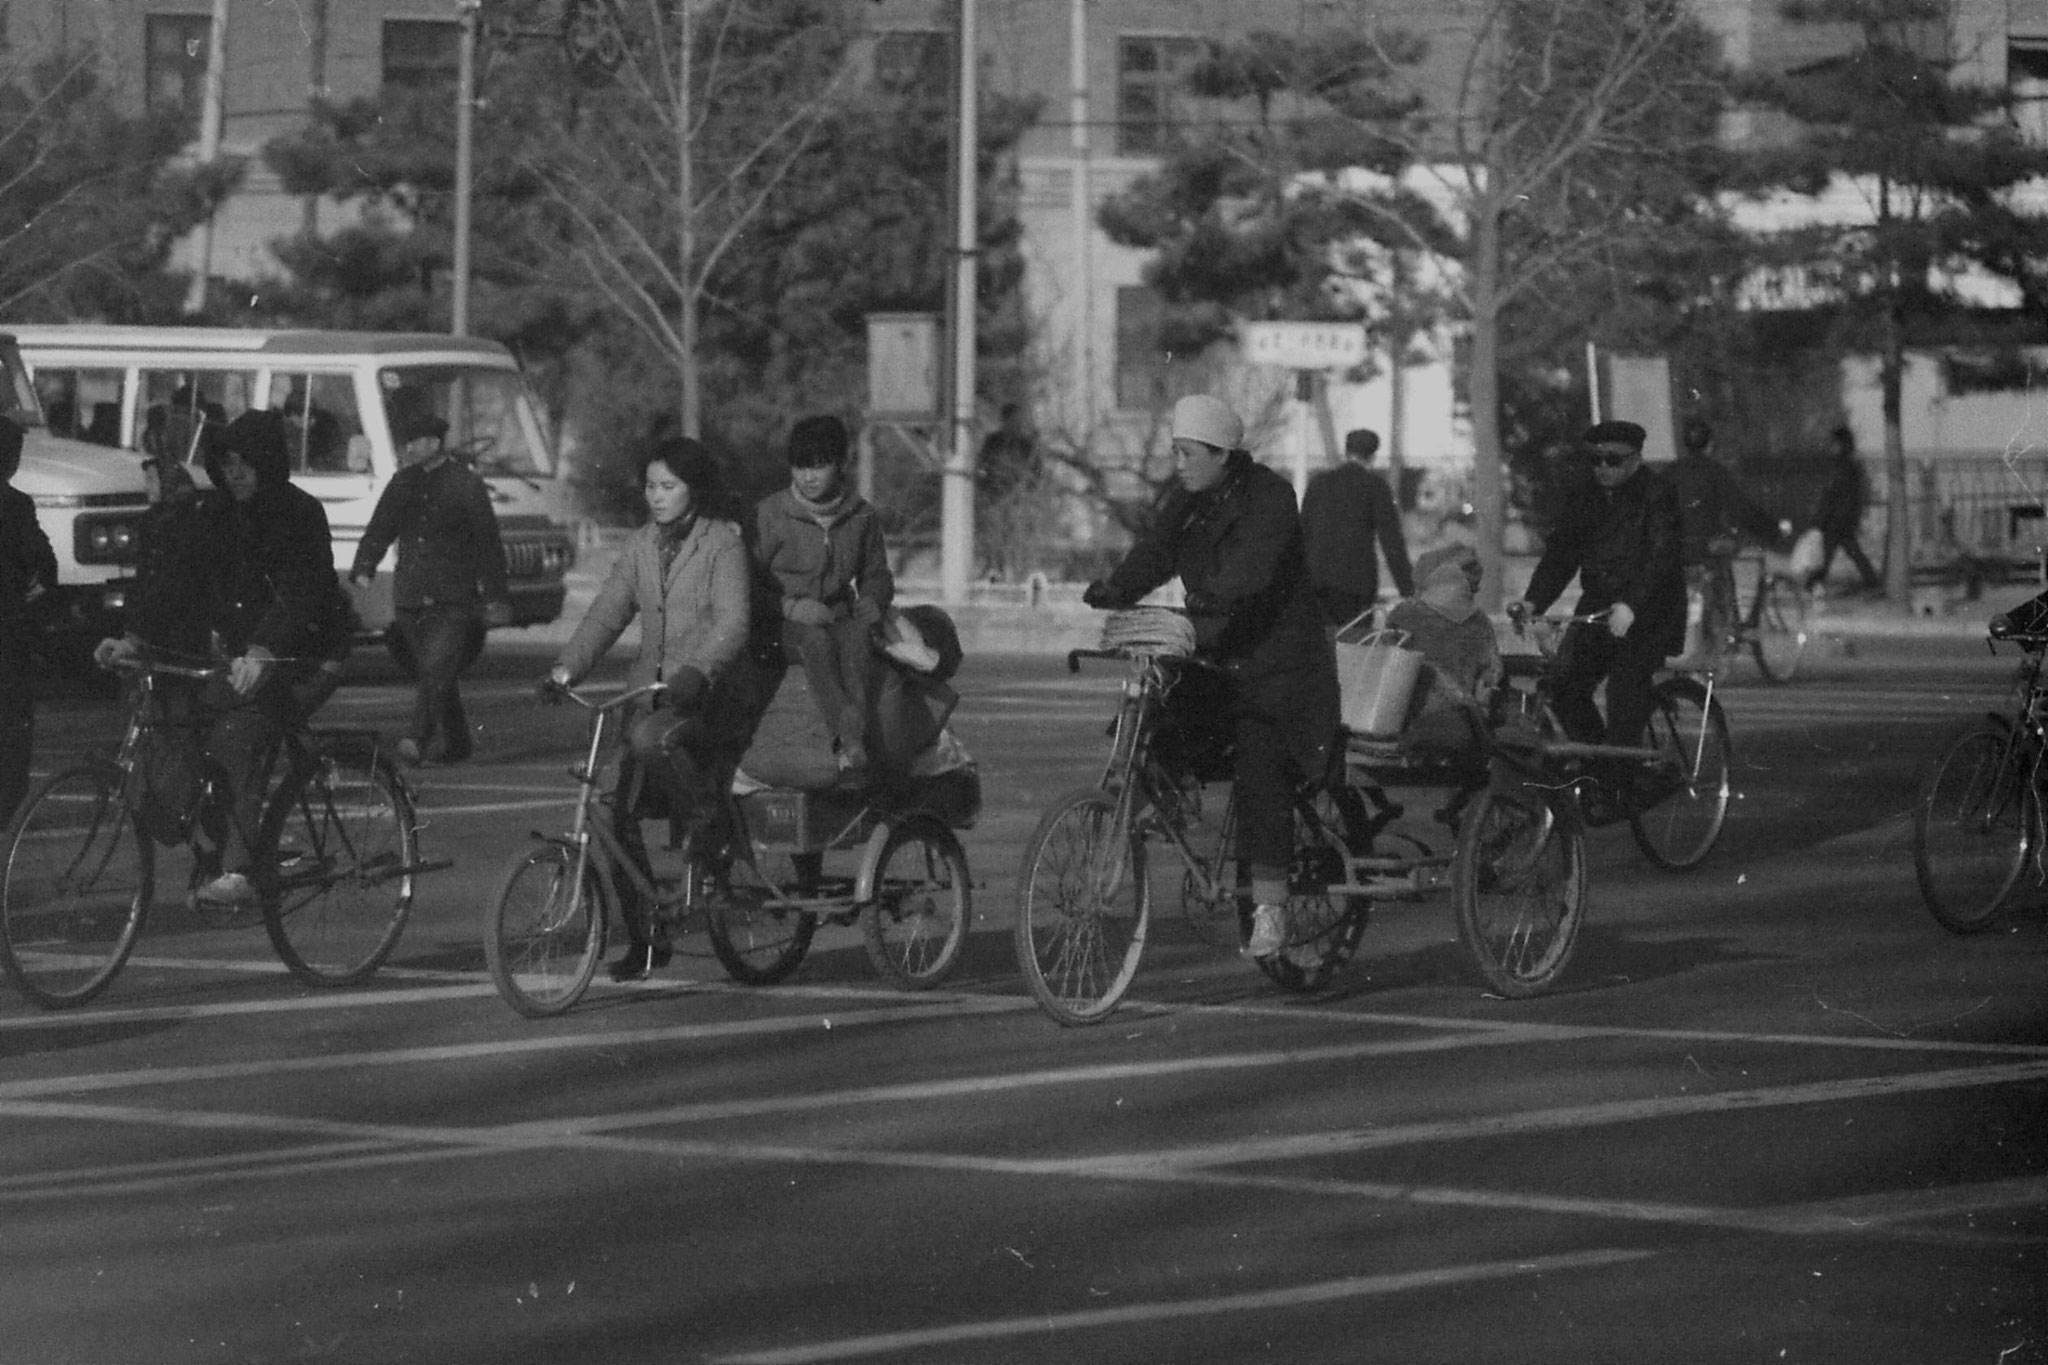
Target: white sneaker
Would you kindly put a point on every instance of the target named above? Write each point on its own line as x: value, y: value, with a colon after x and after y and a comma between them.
x: 229, y: 888
x: 1269, y: 931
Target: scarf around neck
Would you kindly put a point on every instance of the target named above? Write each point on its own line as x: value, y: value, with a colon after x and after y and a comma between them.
x: 824, y: 513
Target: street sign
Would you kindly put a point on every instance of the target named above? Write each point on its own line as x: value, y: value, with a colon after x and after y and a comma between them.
x: 1304, y: 345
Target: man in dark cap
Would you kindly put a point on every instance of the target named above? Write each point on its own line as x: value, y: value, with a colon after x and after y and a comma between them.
x: 450, y: 581
x: 28, y: 568
x: 275, y: 614
x: 1348, y: 520
x: 1621, y: 536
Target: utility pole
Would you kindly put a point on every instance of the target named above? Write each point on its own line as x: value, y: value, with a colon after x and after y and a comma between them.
x: 212, y: 112
x: 686, y: 225
x: 1083, y: 408
x: 465, y: 155
x: 956, y: 507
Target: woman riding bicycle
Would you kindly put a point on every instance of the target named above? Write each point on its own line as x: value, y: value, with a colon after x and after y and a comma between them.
x: 685, y: 575
x: 1228, y: 528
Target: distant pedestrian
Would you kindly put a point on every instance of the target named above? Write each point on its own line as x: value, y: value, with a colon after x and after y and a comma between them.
x: 1712, y: 504
x: 450, y: 581
x: 1348, y: 520
x: 28, y: 568
x: 1840, y: 514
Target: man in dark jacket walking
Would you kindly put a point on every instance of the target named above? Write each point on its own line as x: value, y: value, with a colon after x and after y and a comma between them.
x: 28, y: 568
x: 1621, y: 536
x: 1840, y: 514
x: 1349, y: 518
x: 1229, y: 530
x: 450, y: 581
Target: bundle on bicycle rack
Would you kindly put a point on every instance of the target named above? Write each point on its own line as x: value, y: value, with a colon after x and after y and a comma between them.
x: 1149, y: 630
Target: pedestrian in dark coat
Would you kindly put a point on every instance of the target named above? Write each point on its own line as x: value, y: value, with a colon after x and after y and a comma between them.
x: 1840, y: 513
x: 1228, y: 529
x: 1620, y: 535
x: 28, y: 568
x: 1348, y: 520
x: 450, y: 581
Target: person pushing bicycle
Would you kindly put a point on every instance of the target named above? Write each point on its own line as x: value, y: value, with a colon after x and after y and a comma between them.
x: 1228, y: 528
x: 1714, y: 512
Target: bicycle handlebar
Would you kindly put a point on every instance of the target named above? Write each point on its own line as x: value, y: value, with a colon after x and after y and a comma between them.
x: 589, y: 702
x: 1074, y: 657
x: 140, y: 664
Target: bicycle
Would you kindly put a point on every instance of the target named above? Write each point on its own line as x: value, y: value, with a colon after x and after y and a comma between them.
x: 1678, y: 806
x: 1517, y: 872
x: 337, y: 851
x: 761, y: 890
x: 1773, y: 628
x: 1977, y: 815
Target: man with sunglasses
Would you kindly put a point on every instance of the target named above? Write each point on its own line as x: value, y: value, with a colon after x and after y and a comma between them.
x: 1621, y: 536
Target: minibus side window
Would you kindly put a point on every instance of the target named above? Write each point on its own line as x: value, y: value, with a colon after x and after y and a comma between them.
x: 178, y: 404
x: 82, y: 404
x: 320, y: 412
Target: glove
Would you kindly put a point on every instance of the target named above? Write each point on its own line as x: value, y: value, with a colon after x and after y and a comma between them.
x: 113, y: 653
x: 552, y: 685
x: 1519, y: 610
x: 247, y: 672
x: 808, y: 611
x: 1099, y: 596
x: 1203, y: 604
x: 687, y: 691
x: 497, y: 614
x: 1619, y: 619
x: 359, y: 577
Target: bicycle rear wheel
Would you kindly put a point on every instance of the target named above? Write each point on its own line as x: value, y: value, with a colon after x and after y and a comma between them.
x: 544, y: 933
x: 1323, y: 930
x: 1690, y: 785
x: 346, y: 859
x: 916, y: 930
x: 1519, y: 884
x: 1083, y: 907
x: 757, y: 942
x: 74, y: 887
x: 1780, y: 633
x: 1974, y: 821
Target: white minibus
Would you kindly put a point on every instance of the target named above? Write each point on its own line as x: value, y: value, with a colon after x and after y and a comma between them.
x: 159, y: 388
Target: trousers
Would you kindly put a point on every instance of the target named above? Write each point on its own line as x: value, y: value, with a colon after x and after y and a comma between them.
x: 439, y: 638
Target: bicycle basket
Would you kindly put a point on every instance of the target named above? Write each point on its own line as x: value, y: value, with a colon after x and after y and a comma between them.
x: 1149, y: 630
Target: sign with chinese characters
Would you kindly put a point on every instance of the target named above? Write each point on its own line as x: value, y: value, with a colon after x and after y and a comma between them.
x: 1304, y: 345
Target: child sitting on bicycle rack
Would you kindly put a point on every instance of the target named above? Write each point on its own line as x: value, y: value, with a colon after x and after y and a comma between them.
x: 1461, y: 656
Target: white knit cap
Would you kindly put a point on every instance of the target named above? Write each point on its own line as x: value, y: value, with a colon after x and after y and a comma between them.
x: 1199, y: 417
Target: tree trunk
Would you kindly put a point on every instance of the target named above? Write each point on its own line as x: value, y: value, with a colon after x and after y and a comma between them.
x: 1489, y: 491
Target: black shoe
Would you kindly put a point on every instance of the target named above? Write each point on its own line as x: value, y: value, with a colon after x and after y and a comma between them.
x: 640, y: 960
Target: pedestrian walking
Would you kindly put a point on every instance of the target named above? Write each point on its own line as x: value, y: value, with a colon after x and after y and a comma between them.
x: 28, y: 569
x: 1840, y: 514
x: 1349, y: 519
x: 450, y: 582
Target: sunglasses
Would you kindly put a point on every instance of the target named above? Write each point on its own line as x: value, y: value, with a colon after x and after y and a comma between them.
x: 1609, y: 460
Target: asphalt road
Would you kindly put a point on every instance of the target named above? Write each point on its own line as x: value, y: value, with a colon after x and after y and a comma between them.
x: 1774, y: 1113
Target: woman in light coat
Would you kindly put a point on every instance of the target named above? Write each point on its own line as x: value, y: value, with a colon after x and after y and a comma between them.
x: 685, y: 575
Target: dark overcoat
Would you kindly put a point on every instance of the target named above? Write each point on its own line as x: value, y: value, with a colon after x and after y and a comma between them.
x: 1625, y: 545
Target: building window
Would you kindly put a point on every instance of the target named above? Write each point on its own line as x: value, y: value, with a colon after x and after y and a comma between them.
x: 174, y: 64
x: 913, y: 61
x: 1150, y: 91
x: 2026, y: 78
x: 1149, y: 377
x: 421, y: 53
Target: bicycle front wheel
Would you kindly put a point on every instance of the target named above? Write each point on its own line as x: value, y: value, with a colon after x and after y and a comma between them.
x: 1779, y: 642
x: 916, y: 930
x: 74, y: 888
x: 1679, y: 820
x: 345, y: 867
x: 1974, y: 821
x: 544, y: 931
x: 1519, y: 883
x: 1083, y: 908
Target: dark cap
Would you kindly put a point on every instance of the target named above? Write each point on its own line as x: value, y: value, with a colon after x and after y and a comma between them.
x: 1616, y: 433
x: 818, y: 440
x: 412, y: 416
x: 258, y: 436
x: 1362, y: 443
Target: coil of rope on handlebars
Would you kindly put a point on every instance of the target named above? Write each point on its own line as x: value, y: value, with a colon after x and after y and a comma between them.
x: 1149, y: 630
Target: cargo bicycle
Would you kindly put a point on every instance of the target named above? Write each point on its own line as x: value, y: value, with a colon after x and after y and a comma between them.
x: 755, y: 878
x: 337, y: 853
x: 1508, y: 845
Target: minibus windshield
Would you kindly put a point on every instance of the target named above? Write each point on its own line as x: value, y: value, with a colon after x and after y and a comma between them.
x: 491, y: 420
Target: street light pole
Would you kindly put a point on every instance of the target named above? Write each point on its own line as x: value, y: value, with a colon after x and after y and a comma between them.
x: 465, y: 152
x: 212, y: 114
x: 956, y: 508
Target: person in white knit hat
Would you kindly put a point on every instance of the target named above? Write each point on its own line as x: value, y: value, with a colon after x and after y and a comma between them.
x: 1228, y: 528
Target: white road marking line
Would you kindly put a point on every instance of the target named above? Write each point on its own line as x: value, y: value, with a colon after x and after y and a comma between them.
x: 1050, y: 1325
x: 233, y: 1008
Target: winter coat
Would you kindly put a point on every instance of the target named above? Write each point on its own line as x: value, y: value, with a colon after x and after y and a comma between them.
x: 696, y: 618
x: 1711, y: 503
x: 1237, y: 550
x: 173, y: 580
x: 1624, y: 544
x: 1840, y: 512
x: 449, y: 553
x: 270, y: 566
x: 25, y: 557
x: 1348, y: 511
x: 846, y: 568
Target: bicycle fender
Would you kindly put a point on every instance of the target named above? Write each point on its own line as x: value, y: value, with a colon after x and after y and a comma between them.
x: 871, y: 860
